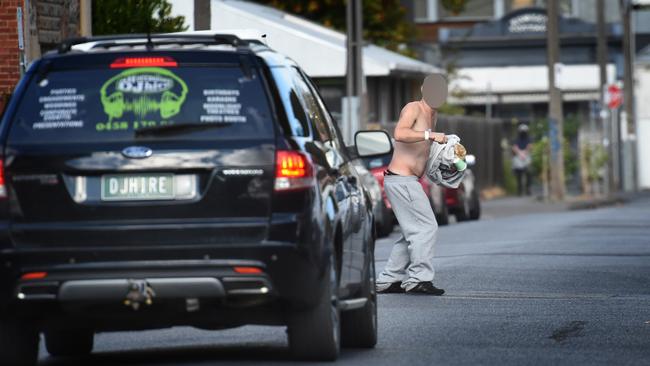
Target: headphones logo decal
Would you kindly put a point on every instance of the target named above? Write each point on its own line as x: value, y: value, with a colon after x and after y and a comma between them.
x: 143, y: 90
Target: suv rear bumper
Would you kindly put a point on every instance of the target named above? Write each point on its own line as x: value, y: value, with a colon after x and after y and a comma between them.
x: 187, y: 289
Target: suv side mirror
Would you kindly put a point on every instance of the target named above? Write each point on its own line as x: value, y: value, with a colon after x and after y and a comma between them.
x: 470, y: 160
x: 372, y: 143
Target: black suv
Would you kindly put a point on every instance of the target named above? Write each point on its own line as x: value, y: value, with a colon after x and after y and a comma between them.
x: 149, y: 182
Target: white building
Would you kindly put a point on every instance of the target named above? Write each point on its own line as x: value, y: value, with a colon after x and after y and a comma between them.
x: 642, y: 96
x: 392, y: 79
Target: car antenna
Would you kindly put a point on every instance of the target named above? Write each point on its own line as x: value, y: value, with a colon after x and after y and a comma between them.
x: 149, y: 41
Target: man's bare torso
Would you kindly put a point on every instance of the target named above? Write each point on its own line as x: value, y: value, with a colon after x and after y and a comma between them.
x: 411, y: 158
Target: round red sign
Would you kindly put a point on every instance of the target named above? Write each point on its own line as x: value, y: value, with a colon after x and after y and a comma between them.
x: 614, y: 96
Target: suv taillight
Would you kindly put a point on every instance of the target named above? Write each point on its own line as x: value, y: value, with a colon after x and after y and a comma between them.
x: 293, y: 170
x: 3, y: 187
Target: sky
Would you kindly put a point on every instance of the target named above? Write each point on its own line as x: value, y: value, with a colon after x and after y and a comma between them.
x: 185, y: 8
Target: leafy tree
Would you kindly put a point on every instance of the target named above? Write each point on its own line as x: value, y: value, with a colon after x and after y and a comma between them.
x: 541, y: 145
x: 135, y: 16
x: 454, y: 6
x: 384, y: 21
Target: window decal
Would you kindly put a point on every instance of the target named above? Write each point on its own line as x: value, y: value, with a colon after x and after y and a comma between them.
x: 141, y: 92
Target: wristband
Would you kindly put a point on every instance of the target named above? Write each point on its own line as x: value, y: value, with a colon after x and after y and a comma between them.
x: 426, y: 135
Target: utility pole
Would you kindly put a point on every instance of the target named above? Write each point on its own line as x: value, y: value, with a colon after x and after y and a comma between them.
x: 605, y: 114
x: 555, y: 119
x: 85, y: 18
x: 354, y: 79
x: 628, y: 81
x: 202, y: 15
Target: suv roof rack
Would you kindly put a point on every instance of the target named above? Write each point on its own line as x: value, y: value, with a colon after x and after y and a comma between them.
x: 108, y: 41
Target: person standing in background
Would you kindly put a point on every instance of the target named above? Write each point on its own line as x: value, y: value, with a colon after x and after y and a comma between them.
x: 521, y: 159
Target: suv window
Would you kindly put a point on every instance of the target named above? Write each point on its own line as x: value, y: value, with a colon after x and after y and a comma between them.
x: 300, y: 104
x: 329, y: 122
x: 296, y: 114
x: 311, y: 105
x: 112, y: 104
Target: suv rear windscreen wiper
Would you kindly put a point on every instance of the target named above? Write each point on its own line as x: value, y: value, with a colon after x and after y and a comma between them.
x: 178, y: 128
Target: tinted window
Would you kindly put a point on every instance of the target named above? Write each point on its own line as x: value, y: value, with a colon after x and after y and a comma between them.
x: 293, y: 106
x: 293, y: 89
x: 111, y: 104
x: 312, y: 107
x: 329, y: 122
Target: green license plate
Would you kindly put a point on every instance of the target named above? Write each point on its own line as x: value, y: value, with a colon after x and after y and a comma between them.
x: 140, y: 187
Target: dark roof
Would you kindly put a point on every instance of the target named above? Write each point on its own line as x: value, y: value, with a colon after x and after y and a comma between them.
x: 523, y: 25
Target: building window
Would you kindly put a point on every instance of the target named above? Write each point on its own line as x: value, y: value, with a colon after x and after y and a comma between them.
x: 474, y: 9
x: 566, y: 7
x: 518, y: 4
x: 425, y: 10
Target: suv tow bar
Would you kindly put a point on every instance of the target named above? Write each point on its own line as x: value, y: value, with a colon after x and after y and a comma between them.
x: 140, y: 292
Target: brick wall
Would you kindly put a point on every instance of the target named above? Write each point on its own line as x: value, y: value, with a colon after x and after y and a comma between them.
x: 56, y: 21
x: 9, y: 53
x: 48, y: 23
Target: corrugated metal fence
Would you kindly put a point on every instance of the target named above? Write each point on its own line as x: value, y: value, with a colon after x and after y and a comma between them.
x: 482, y: 137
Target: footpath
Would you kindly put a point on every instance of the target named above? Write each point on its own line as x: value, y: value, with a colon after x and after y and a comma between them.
x: 512, y: 206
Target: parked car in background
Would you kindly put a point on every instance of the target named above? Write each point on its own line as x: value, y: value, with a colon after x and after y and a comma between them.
x: 384, y: 218
x: 181, y: 180
x: 462, y: 202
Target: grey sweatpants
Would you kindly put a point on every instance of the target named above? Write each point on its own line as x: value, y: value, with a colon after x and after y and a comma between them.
x: 411, y: 259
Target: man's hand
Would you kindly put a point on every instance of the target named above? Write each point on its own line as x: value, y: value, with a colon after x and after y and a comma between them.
x: 438, y: 137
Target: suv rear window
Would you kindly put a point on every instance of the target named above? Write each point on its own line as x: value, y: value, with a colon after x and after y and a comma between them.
x: 93, y: 105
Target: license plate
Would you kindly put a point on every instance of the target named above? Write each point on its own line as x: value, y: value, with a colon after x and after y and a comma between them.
x: 140, y: 187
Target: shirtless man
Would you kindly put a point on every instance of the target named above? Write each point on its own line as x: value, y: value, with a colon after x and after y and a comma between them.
x: 409, y: 268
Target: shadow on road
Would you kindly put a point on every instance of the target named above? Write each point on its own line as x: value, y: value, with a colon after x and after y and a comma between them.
x: 182, y: 355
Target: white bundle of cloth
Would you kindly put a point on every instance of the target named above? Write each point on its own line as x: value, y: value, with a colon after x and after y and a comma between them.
x: 440, y: 167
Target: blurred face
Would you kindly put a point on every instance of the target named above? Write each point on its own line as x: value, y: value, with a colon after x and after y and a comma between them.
x: 434, y: 90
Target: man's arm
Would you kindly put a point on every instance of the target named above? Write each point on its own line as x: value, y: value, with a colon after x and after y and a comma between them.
x: 515, y: 149
x: 404, y: 131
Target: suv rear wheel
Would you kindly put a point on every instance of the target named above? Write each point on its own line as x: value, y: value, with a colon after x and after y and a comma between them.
x: 18, y: 343
x: 315, y: 334
x: 359, y: 327
x: 69, y: 342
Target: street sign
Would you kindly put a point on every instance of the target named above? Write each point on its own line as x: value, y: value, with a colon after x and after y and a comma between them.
x: 613, y: 96
x: 19, y: 20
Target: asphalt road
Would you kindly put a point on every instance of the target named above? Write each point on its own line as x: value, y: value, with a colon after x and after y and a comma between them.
x: 536, y: 288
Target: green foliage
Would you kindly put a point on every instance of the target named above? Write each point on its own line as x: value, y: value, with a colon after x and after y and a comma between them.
x: 454, y: 6
x: 451, y: 110
x: 539, y: 155
x: 541, y: 149
x: 509, y: 179
x: 596, y: 157
x: 571, y: 126
x: 135, y: 16
x: 384, y: 21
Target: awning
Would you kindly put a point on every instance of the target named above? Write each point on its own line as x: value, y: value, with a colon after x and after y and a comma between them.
x: 526, y: 84
x: 320, y: 51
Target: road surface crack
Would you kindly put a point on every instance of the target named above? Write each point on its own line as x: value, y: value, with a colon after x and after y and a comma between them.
x: 572, y: 329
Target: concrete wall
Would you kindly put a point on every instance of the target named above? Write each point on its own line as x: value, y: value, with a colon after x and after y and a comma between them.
x: 642, y: 95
